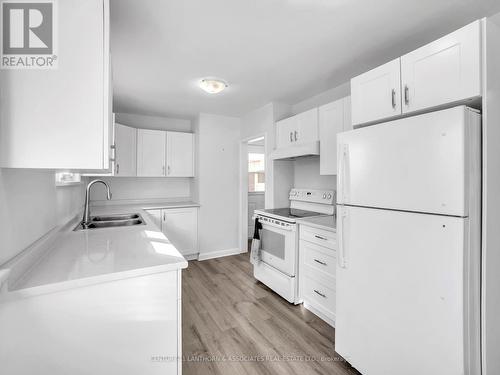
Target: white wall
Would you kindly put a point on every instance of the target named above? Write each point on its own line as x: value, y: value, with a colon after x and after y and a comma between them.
x: 325, y: 97
x: 306, y: 175
x: 154, y: 122
x: 491, y: 202
x: 30, y: 206
x: 143, y: 188
x: 217, y: 182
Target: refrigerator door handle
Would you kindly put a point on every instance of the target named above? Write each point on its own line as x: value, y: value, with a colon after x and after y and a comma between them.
x: 340, y: 224
x: 343, y: 149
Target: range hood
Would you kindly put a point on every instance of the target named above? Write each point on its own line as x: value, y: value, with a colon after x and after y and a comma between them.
x: 295, y: 151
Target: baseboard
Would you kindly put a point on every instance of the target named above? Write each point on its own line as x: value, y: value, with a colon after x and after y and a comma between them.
x: 219, y: 253
x: 325, y: 317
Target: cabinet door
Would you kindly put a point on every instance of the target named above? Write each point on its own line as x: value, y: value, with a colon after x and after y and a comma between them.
x: 151, y: 152
x: 331, y: 122
x: 61, y: 118
x: 376, y: 94
x: 180, y: 225
x: 125, y: 150
x: 445, y: 71
x: 180, y: 154
x: 156, y: 216
x: 306, y: 127
x: 285, y: 132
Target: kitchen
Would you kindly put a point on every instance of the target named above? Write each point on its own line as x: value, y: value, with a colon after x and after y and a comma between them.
x: 378, y: 185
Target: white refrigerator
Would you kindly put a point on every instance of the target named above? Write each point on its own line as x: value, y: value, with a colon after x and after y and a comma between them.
x: 408, y: 227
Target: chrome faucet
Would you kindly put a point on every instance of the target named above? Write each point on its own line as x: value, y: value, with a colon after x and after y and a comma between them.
x: 86, y: 210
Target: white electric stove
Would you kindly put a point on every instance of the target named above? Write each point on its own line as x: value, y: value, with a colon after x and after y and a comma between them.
x: 279, y: 239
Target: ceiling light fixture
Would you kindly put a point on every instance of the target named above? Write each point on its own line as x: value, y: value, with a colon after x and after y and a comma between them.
x: 212, y: 85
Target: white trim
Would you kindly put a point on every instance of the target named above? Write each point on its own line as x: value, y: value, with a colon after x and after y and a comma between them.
x: 219, y: 253
x: 318, y: 312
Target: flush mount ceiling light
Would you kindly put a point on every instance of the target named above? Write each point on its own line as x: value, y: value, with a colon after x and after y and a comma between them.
x: 212, y: 85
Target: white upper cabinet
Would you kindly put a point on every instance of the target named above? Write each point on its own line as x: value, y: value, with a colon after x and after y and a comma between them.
x: 444, y: 71
x: 299, y: 129
x: 334, y: 118
x: 180, y: 154
x: 151, y: 155
x: 306, y: 127
x: 61, y: 118
x: 125, y: 151
x: 376, y: 94
x: 285, y: 131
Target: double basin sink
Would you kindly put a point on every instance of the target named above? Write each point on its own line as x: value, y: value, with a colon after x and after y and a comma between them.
x: 111, y: 221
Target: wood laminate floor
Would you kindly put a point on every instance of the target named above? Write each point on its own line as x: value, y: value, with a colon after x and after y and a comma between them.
x: 233, y: 324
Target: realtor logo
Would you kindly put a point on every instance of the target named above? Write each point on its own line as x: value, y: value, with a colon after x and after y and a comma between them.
x: 28, y: 34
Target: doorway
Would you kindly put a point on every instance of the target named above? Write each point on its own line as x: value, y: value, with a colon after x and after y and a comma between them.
x: 253, y: 184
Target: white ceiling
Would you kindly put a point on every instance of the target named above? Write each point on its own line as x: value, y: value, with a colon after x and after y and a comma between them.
x: 267, y: 50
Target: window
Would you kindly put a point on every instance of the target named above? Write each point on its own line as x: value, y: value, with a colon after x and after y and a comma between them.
x: 256, y: 173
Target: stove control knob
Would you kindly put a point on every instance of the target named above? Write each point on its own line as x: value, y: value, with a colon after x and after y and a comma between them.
x: 329, y: 196
x: 324, y: 196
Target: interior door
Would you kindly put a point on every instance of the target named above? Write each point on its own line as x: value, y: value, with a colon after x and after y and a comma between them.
x: 180, y: 154
x: 279, y: 248
x: 400, y: 293
x: 151, y: 152
x: 423, y: 163
x: 126, y: 150
x: 444, y: 71
x: 376, y: 94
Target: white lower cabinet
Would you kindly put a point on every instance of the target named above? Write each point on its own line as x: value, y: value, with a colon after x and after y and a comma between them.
x: 317, y: 267
x: 156, y: 216
x: 180, y: 225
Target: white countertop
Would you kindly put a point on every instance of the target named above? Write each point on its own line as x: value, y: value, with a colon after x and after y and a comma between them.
x: 321, y: 222
x: 98, y: 255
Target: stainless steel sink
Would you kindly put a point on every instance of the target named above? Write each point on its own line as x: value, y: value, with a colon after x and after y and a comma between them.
x: 112, y: 221
x: 116, y: 217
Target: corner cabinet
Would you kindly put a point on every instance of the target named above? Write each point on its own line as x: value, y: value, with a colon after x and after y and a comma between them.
x: 440, y: 74
x: 334, y: 118
x: 61, y: 118
x: 180, y: 226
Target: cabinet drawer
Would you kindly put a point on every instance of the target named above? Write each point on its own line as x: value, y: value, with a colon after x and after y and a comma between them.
x: 318, y: 293
x: 318, y: 259
x: 319, y: 236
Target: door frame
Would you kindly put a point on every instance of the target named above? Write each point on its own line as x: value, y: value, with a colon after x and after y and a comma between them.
x: 243, y: 225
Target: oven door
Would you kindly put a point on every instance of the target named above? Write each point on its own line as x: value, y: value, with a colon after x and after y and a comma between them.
x: 279, y: 247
